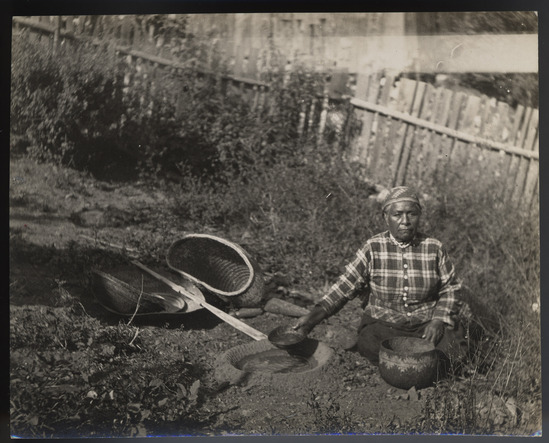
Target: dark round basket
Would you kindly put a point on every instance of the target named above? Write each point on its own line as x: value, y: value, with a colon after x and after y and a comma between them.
x: 406, y: 362
x: 219, y: 266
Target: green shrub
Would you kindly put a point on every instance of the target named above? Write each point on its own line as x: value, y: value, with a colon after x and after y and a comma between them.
x: 73, y: 107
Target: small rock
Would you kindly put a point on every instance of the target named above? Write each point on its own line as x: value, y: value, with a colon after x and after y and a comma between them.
x: 412, y: 394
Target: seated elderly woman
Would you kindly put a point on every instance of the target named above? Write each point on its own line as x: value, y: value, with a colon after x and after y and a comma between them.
x: 408, y: 283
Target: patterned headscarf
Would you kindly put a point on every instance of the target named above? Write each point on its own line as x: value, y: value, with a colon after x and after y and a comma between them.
x: 400, y: 194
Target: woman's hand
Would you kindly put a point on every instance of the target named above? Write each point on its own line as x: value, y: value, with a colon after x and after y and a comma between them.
x: 310, y: 320
x: 434, y: 331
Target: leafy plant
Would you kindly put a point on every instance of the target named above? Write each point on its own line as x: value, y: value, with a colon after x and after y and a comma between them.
x: 328, y: 417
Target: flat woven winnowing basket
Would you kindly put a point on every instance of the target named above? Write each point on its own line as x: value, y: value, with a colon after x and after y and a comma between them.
x: 219, y: 266
x: 124, y: 287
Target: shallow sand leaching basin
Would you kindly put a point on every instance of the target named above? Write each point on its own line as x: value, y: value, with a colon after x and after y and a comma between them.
x: 264, y: 362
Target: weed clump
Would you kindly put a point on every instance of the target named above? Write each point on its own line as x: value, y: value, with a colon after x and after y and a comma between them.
x: 73, y: 377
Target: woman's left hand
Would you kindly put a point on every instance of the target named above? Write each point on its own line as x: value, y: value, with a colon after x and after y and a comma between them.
x: 434, y: 331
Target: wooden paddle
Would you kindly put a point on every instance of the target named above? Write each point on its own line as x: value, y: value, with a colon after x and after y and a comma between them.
x: 234, y: 322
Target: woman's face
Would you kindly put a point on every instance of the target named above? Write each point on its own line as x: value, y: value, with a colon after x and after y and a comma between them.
x: 402, y: 218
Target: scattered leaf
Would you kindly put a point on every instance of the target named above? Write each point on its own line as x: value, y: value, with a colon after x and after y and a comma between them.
x: 156, y: 382
x: 194, y: 390
x: 182, y: 390
x: 134, y: 407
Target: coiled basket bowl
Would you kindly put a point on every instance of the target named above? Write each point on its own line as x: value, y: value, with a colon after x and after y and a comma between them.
x: 406, y: 362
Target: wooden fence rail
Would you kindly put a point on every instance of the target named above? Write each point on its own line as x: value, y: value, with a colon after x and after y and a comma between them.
x: 424, y: 134
x: 410, y: 132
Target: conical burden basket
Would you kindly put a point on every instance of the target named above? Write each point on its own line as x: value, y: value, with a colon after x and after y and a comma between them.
x: 219, y: 266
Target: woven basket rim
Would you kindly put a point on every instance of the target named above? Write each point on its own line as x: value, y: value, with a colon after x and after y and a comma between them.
x: 225, y: 242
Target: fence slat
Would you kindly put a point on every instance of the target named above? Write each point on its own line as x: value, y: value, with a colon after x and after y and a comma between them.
x: 532, y: 180
x: 517, y: 163
x: 464, y: 153
x: 409, y: 135
x: 448, y: 144
x: 253, y: 60
x: 529, y: 143
x: 108, y: 27
x: 368, y: 119
x: 405, y: 100
x: 96, y: 26
x: 125, y: 31
x: 416, y: 163
x: 441, y: 144
x: 534, y: 204
x: 484, y: 161
x: 511, y: 162
x: 361, y: 91
x: 69, y: 24
x: 324, y: 110
x: 239, y: 62
x: 429, y: 147
x: 378, y: 161
x: 498, y: 161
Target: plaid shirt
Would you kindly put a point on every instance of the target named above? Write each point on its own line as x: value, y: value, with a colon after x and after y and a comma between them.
x: 400, y: 284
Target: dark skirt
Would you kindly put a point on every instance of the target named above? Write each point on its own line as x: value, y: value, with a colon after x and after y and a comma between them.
x: 372, y: 332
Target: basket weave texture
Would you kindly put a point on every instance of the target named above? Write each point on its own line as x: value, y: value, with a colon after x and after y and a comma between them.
x: 219, y: 266
x: 116, y: 294
x: 122, y: 287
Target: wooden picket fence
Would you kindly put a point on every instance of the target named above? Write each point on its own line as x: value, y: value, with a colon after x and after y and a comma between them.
x: 409, y: 132
x: 415, y: 133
